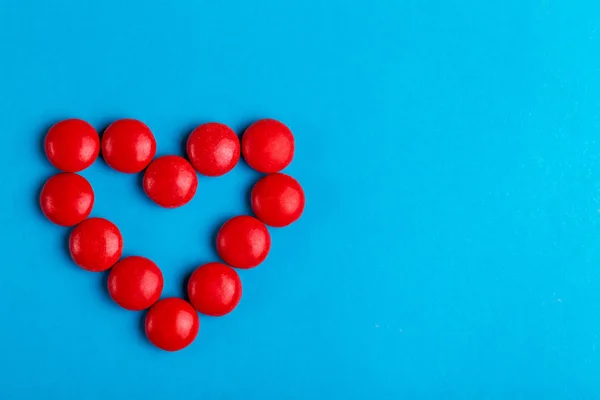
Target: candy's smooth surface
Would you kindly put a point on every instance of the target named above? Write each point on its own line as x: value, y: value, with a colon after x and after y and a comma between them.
x: 172, y: 324
x: 215, y: 289
x: 170, y: 181
x: 72, y: 145
x: 128, y: 145
x: 243, y: 242
x: 213, y: 149
x: 268, y: 146
x: 96, y: 244
x: 277, y: 200
x: 67, y: 199
x: 135, y: 283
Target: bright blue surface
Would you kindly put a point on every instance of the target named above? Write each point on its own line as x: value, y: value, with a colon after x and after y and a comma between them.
x: 450, y: 247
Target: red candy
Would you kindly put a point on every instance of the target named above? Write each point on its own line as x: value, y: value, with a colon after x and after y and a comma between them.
x: 268, y: 146
x: 215, y: 289
x: 135, y: 283
x: 213, y: 149
x: 128, y: 145
x: 96, y: 244
x: 172, y: 324
x: 72, y: 145
x: 170, y: 181
x: 277, y: 200
x: 243, y: 242
x: 67, y: 199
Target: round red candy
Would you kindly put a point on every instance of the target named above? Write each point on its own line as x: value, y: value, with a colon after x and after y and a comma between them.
x: 96, y: 244
x: 268, y: 146
x: 67, y: 199
x: 243, y: 242
x: 172, y: 324
x: 215, y: 289
x: 277, y: 200
x: 72, y: 145
x: 170, y: 181
x: 213, y: 149
x: 128, y: 145
x: 135, y: 283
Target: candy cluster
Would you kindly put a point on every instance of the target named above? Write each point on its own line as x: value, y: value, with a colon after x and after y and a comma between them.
x: 213, y: 149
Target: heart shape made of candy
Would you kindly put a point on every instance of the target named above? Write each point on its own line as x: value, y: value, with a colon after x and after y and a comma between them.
x: 213, y: 149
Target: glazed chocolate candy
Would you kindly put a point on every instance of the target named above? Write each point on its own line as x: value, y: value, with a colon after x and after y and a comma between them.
x: 172, y: 324
x: 96, y: 244
x: 67, y: 199
x: 277, y: 200
x: 72, y: 145
x: 135, y: 283
x: 170, y: 181
x: 213, y: 149
x: 215, y: 289
x: 128, y: 145
x: 243, y: 242
x: 268, y: 146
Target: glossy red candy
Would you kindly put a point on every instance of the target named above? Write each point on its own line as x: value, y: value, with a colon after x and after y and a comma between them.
x: 277, y: 199
x: 170, y: 181
x: 215, y: 289
x: 135, y: 283
x: 172, y: 324
x: 96, y: 244
x: 268, y: 146
x: 243, y: 242
x: 128, y: 145
x: 213, y: 149
x: 67, y: 199
x: 72, y: 145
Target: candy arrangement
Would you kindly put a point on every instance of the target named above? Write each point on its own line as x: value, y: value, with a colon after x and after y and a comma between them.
x: 213, y: 149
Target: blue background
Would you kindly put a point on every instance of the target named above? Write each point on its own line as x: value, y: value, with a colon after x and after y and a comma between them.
x: 449, y: 150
